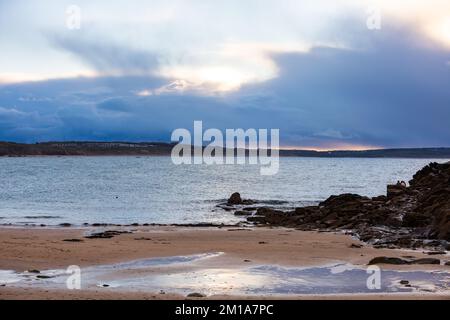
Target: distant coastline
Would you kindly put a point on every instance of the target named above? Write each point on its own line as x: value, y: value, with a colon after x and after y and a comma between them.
x: 123, y: 148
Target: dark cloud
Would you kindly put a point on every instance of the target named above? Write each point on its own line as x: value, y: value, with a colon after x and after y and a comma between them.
x: 105, y: 56
x: 392, y: 92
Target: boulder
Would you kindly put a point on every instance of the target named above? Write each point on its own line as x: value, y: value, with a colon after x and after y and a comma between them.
x: 235, y: 199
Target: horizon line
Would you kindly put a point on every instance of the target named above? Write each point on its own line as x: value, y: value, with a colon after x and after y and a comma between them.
x: 289, y: 148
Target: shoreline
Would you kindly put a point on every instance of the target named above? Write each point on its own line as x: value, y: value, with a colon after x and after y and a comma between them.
x: 41, y: 248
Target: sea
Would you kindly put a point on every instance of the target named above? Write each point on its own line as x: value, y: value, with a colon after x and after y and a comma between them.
x: 133, y: 189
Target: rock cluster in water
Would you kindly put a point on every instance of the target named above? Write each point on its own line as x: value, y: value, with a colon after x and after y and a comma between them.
x: 411, y: 216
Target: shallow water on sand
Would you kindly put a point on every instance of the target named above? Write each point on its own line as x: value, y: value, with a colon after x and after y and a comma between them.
x: 194, y: 273
x: 123, y: 190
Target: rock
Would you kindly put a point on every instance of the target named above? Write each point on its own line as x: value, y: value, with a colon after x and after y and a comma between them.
x: 343, y: 199
x: 394, y: 190
x: 196, y: 295
x: 41, y: 276
x: 399, y: 261
x: 404, y: 282
x: 257, y: 219
x: 433, y: 253
x: 406, y: 218
x: 388, y: 260
x: 73, y: 240
x: 106, y: 234
x: 447, y: 263
x: 242, y: 213
x: 426, y: 261
x: 235, y: 199
x: 380, y: 199
x: 356, y: 246
x: 65, y: 224
x: 33, y: 271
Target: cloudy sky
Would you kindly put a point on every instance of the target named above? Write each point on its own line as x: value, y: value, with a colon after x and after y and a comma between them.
x: 346, y: 74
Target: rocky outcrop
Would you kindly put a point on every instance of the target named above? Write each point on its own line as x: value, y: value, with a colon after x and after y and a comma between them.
x: 409, y: 216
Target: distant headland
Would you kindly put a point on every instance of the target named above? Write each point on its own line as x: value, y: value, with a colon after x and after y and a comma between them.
x: 121, y: 148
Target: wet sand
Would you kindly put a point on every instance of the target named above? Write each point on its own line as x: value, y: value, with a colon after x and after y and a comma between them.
x: 44, y: 248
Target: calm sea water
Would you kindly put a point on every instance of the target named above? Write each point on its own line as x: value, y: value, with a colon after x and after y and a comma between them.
x: 52, y: 190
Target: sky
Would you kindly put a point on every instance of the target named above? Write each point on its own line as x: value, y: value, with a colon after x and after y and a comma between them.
x: 343, y: 74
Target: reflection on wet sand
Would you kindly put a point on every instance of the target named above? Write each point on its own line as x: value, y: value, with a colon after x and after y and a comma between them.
x: 200, y: 273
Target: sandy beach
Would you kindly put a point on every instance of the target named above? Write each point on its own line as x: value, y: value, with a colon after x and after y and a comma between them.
x: 37, y: 248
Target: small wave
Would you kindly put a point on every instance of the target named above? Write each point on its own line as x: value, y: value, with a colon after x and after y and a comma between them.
x: 41, y: 217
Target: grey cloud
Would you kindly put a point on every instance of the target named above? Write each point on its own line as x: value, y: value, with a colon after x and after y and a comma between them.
x: 393, y: 92
x: 104, y: 55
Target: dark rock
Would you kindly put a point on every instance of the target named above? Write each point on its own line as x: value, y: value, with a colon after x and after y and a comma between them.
x: 404, y: 282
x: 406, y: 218
x: 394, y: 190
x: 380, y: 199
x: 343, y: 199
x: 106, y: 234
x: 356, y: 246
x: 41, y: 276
x: 433, y: 253
x: 447, y: 263
x: 33, y: 271
x: 388, y: 260
x: 235, y: 199
x: 399, y: 261
x: 73, y: 240
x: 65, y: 224
x: 242, y: 213
x: 426, y: 261
x: 196, y: 295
